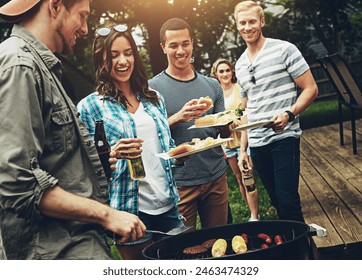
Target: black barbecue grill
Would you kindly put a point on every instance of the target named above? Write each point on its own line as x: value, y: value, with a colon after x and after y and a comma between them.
x: 295, y: 236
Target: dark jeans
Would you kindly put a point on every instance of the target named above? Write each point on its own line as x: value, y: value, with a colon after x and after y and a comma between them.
x: 278, y: 166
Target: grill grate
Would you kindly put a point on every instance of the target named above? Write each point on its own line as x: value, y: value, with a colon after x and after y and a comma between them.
x: 253, y: 244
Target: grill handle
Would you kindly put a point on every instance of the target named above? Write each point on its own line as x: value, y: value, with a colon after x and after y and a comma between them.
x: 316, y: 230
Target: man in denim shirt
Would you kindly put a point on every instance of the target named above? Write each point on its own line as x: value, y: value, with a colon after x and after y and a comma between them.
x: 53, y: 191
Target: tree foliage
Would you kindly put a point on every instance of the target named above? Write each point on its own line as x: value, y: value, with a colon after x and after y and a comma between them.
x: 209, y: 19
x: 335, y: 24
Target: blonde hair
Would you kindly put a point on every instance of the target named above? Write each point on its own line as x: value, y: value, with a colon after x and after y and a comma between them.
x: 248, y: 5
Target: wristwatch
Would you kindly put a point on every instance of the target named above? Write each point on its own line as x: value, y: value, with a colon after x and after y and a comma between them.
x: 290, y: 115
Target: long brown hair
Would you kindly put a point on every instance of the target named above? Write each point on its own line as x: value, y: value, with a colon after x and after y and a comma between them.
x: 102, y: 61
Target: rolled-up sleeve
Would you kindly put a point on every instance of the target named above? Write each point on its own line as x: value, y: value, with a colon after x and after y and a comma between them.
x: 22, y: 180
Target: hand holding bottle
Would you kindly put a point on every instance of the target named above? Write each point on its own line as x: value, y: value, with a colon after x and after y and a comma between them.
x: 248, y: 176
x: 134, y: 159
x: 128, y: 148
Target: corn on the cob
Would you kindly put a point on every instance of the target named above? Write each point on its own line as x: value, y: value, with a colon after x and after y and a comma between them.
x: 219, y: 248
x: 238, y: 244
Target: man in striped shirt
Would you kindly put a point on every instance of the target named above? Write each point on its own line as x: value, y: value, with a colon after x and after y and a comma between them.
x: 269, y: 72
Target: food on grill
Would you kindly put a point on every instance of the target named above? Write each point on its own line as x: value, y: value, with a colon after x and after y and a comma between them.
x: 219, y: 248
x: 197, y: 249
x: 207, y: 101
x: 182, y: 148
x: 265, y: 237
x: 217, y: 119
x: 278, y: 239
x: 238, y: 244
x: 208, y: 243
x: 295, y: 237
x: 245, y: 236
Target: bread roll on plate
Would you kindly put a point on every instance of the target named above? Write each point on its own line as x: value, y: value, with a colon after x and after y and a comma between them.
x: 180, y: 149
x: 206, y: 120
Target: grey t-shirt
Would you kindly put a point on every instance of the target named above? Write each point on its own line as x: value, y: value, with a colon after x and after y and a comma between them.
x: 275, y: 67
x: 208, y: 165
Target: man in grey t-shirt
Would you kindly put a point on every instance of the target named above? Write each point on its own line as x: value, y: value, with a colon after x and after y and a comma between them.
x: 201, y: 182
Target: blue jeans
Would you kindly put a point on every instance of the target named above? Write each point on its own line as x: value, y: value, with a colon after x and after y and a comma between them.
x: 278, y: 166
x: 162, y: 222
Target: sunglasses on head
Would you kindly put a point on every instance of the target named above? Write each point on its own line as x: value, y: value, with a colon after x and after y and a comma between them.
x: 104, y: 31
x: 222, y: 71
x: 251, y: 71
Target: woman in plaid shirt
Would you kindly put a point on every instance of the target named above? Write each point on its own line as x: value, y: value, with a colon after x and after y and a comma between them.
x: 134, y: 116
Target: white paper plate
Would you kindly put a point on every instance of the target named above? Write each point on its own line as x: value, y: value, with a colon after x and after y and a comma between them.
x: 217, y: 124
x: 217, y: 142
x: 214, y: 125
x: 252, y: 125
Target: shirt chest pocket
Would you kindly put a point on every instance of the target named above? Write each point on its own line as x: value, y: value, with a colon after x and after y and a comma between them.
x: 116, y: 129
x: 63, y: 130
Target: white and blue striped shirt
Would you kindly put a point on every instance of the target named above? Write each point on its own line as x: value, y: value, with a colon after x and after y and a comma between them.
x: 274, y: 69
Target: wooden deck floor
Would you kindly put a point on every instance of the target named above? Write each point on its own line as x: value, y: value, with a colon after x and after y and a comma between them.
x: 331, y: 189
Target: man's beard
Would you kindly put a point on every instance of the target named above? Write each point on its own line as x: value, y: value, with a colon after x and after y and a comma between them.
x: 66, y: 48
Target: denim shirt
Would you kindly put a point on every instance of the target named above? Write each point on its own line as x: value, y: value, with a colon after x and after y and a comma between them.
x: 118, y: 123
x: 43, y: 144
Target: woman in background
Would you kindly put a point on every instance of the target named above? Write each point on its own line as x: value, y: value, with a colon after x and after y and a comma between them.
x: 223, y: 70
x: 134, y: 116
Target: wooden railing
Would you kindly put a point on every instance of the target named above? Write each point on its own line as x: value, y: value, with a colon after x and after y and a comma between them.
x: 325, y: 87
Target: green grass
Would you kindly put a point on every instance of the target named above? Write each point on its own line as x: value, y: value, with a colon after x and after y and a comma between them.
x: 240, y: 211
x: 324, y: 112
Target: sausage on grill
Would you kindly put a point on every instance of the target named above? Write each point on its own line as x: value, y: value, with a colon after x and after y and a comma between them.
x: 278, y: 239
x: 265, y: 237
x: 245, y: 236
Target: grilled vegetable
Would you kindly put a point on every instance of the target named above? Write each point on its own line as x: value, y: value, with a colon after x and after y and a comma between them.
x: 239, y: 111
x: 238, y: 244
x: 219, y: 248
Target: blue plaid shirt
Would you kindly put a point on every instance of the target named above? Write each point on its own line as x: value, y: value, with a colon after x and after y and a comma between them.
x: 118, y: 123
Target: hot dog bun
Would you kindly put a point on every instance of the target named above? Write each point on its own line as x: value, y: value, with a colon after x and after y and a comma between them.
x: 221, y: 118
x: 206, y: 120
x: 207, y: 101
x: 180, y: 149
